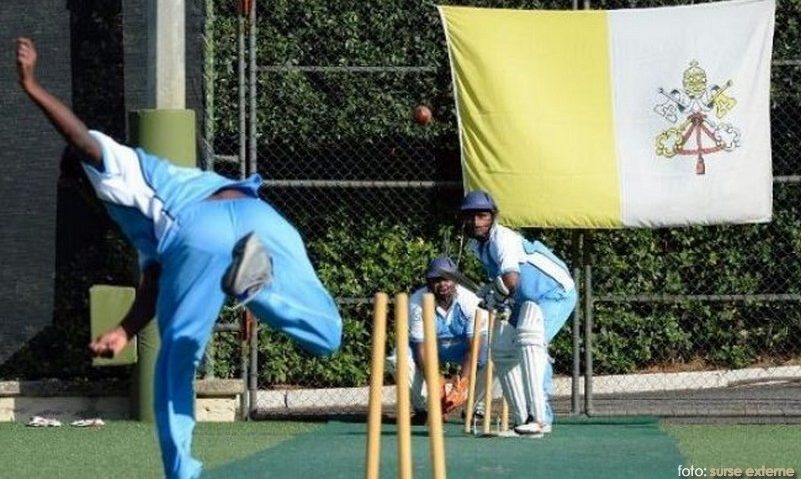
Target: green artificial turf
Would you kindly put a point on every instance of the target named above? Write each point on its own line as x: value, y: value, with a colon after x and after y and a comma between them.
x: 596, y: 448
x: 126, y: 450
x: 592, y: 448
x: 739, y: 446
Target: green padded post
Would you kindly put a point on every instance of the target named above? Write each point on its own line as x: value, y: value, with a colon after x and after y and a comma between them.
x: 107, y: 307
x: 169, y: 134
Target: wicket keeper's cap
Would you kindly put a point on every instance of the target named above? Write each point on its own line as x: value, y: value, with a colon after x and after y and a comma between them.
x: 439, y: 264
x: 479, y: 201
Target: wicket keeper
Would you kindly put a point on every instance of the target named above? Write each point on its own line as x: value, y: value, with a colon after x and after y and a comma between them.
x: 455, y: 309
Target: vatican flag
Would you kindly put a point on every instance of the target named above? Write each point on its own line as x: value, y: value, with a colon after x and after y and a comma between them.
x: 623, y: 118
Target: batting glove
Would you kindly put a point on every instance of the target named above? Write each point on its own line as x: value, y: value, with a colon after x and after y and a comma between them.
x: 494, y: 295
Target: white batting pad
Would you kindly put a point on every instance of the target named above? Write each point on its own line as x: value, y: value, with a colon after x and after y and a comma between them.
x: 534, y: 358
x: 506, y: 357
x: 530, y: 325
x: 533, y: 372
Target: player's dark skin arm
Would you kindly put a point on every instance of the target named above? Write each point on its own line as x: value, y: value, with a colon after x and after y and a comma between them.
x: 419, y: 355
x: 71, y: 128
x: 142, y: 311
x: 511, y: 281
x: 75, y: 133
x: 464, y: 370
x: 143, y: 308
x: 419, y: 358
x: 418, y: 350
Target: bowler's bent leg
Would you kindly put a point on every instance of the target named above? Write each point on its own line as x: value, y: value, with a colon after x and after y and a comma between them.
x: 295, y: 302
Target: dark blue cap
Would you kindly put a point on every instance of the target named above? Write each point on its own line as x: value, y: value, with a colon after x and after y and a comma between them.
x: 479, y: 201
x: 438, y: 265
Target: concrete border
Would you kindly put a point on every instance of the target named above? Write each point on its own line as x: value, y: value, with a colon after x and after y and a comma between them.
x: 222, y: 399
x: 218, y: 400
x: 287, y: 402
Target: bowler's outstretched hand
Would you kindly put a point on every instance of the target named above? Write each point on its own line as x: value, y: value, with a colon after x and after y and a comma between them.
x: 26, y: 61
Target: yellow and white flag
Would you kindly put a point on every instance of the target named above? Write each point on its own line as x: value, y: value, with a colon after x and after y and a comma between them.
x: 622, y: 118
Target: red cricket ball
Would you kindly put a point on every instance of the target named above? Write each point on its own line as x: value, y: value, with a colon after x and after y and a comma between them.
x: 422, y: 115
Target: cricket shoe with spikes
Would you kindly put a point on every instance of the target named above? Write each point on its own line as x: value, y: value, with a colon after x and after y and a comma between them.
x: 250, y: 271
x: 512, y: 433
x: 530, y: 428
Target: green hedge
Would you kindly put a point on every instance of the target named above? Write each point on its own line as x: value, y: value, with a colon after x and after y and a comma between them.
x: 302, y: 117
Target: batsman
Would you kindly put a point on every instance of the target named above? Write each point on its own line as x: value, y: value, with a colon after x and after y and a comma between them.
x: 527, y: 278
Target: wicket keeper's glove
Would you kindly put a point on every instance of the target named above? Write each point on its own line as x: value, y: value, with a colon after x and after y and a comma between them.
x: 457, y: 395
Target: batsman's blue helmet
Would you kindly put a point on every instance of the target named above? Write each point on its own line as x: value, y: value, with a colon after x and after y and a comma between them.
x: 438, y: 265
x: 479, y: 201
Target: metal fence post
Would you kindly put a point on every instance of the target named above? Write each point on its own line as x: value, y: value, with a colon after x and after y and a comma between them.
x: 575, y: 393
x: 588, y: 260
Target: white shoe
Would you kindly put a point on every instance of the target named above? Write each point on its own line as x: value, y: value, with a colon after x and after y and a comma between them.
x: 512, y: 433
x: 251, y: 269
x: 530, y: 429
x: 39, y: 421
x: 547, y: 428
x: 96, y: 422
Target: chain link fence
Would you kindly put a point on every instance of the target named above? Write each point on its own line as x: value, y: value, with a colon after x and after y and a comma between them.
x: 708, y: 316
x: 684, y: 322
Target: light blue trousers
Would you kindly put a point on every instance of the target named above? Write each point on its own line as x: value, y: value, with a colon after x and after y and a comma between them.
x: 556, y: 313
x: 197, y: 253
x: 555, y: 309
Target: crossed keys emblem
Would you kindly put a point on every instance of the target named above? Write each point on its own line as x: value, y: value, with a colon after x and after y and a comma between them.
x: 696, y: 134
